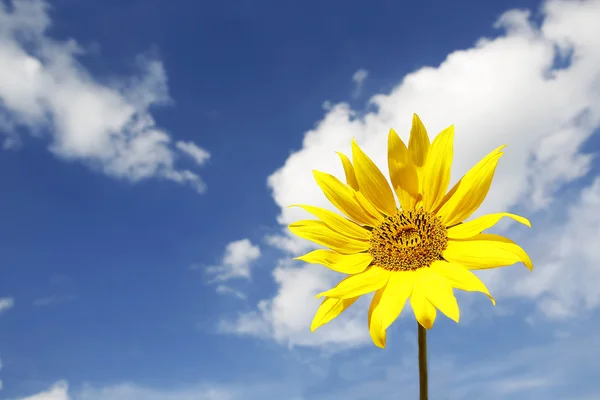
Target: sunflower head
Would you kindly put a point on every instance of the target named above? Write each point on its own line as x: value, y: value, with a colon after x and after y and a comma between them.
x: 408, y: 240
x: 418, y: 249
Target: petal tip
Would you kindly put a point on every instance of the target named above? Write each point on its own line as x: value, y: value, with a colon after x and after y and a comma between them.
x: 529, y: 266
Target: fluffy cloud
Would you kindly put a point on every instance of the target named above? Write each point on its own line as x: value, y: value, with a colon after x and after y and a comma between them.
x: 227, y: 290
x: 46, y: 91
x: 284, y: 318
x: 359, y: 78
x: 565, y: 279
x: 199, y: 155
x: 60, y: 391
x: 6, y: 303
x: 130, y: 391
x: 238, y: 257
x: 503, y: 90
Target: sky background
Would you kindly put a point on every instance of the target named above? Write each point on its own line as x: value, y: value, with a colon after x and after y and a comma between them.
x: 150, y: 149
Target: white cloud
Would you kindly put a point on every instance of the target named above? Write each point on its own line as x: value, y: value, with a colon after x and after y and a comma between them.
x: 503, y: 90
x: 229, y: 291
x: 284, y: 318
x: 6, y: 303
x: 287, y: 243
x: 359, y: 78
x: 566, y: 276
x: 45, y: 90
x: 199, y: 155
x: 238, y: 257
x: 58, y: 391
x: 131, y: 391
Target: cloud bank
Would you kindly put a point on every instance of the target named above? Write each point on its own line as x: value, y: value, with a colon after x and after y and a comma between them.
x: 46, y: 92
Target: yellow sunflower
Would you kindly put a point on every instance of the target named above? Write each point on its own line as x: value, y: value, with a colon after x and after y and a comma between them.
x: 420, y: 251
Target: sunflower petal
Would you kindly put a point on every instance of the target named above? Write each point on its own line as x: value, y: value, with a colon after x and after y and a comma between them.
x: 348, y: 171
x: 486, y: 251
x: 418, y: 143
x: 342, y: 197
x: 439, y: 293
x: 378, y: 334
x: 372, y: 182
x: 337, y: 223
x: 388, y: 303
x: 403, y: 173
x: 319, y: 232
x: 425, y: 312
x: 330, y: 309
x: 345, y: 264
x: 436, y: 174
x: 368, y: 207
x: 460, y: 278
x: 355, y: 285
x: 471, y: 190
x: 478, y: 225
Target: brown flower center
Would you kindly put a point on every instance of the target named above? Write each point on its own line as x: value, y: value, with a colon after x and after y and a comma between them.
x: 408, y: 240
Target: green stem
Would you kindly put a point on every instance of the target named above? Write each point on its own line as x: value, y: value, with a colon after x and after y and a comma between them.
x: 423, y: 386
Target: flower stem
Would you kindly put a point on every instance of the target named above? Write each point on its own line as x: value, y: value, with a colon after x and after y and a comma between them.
x: 423, y: 386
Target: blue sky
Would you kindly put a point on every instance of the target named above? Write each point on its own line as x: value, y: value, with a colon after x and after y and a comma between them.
x: 150, y: 150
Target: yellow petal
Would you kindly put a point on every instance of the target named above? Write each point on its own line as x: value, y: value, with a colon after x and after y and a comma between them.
x: 418, y: 143
x: 388, y: 303
x: 424, y: 311
x: 372, y: 182
x: 337, y: 223
x: 478, y: 225
x: 376, y: 330
x: 438, y: 292
x: 486, y: 251
x: 348, y: 171
x: 367, y: 207
x: 447, y: 197
x: 436, y: 174
x: 330, y: 309
x: 345, y: 264
x: 471, y: 190
x: 460, y: 278
x: 320, y: 233
x: 378, y: 334
x: 403, y: 173
x: 359, y: 284
x: 342, y: 197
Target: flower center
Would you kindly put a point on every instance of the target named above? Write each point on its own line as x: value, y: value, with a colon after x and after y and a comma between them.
x: 408, y: 240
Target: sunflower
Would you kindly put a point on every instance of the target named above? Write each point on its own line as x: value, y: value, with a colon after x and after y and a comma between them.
x: 419, y: 251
